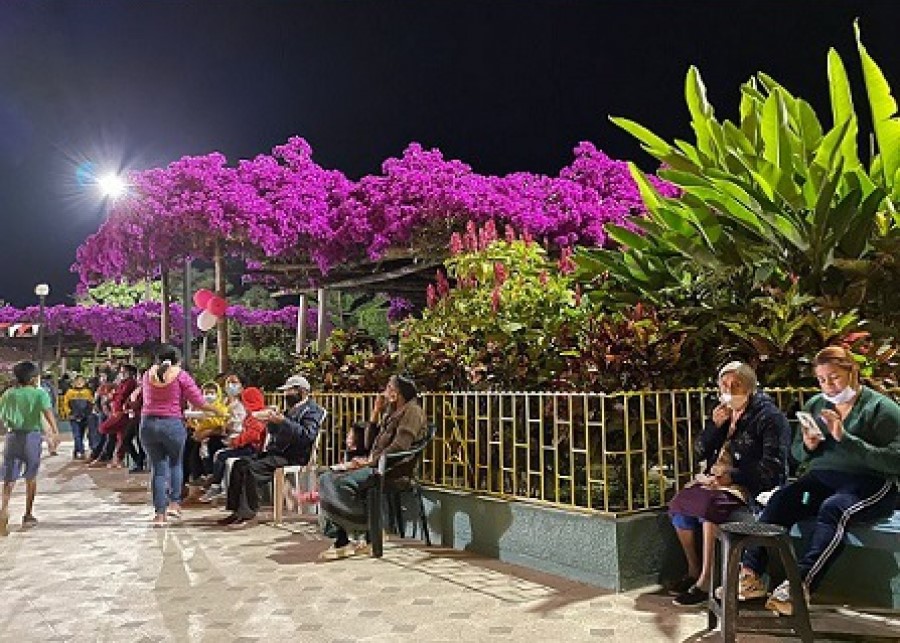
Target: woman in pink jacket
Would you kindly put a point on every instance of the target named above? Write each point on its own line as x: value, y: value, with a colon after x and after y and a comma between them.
x: 166, y: 389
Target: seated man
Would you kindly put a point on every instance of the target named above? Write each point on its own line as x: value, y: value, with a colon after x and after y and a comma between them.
x: 401, y: 423
x: 292, y: 435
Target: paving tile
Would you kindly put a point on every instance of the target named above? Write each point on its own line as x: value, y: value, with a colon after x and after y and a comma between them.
x: 196, y: 582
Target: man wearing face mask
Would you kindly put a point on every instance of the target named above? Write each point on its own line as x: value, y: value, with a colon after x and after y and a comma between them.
x: 291, y: 437
x: 744, y: 448
x: 852, y: 464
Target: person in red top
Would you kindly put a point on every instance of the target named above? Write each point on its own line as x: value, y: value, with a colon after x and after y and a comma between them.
x: 248, y: 442
x: 115, y: 425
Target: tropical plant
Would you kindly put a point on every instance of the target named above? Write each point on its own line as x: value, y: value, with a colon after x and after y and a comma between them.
x: 774, y: 203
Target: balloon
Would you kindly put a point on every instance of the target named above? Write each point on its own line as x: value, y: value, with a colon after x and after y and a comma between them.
x: 202, y: 297
x: 206, y: 320
x: 216, y: 305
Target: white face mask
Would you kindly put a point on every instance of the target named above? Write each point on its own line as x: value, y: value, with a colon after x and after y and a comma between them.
x: 233, y: 389
x: 734, y: 402
x: 841, y: 398
x: 210, y: 398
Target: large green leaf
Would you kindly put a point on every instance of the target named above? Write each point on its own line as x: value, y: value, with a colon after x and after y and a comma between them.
x: 626, y: 237
x: 842, y: 110
x: 701, y: 111
x: 774, y: 130
x: 652, y: 143
x: 884, y: 110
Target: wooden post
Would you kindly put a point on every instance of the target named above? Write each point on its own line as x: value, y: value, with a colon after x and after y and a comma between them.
x: 302, y: 313
x: 323, y: 308
x: 165, y: 322
x: 222, y: 324
x: 186, y: 313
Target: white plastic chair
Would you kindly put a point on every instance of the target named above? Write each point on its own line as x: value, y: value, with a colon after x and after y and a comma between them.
x: 309, y: 473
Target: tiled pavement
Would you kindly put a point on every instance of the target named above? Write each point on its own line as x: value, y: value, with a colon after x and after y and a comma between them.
x: 93, y: 570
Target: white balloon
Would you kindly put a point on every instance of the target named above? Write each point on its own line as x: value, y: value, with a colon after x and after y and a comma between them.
x: 206, y: 320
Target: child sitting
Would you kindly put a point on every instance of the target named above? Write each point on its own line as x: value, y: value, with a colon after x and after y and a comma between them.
x: 355, y: 444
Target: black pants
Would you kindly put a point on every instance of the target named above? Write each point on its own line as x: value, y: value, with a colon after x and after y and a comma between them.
x: 246, y: 475
x: 836, y: 499
x: 191, y: 461
x: 105, y: 448
x: 133, y: 443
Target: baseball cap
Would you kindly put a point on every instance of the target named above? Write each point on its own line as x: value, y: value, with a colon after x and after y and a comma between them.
x: 296, y: 381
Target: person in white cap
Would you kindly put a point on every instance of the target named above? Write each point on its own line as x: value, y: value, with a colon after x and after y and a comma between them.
x: 291, y: 437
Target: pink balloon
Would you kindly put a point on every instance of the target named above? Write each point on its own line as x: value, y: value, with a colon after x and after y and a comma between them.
x: 206, y: 320
x: 216, y: 305
x: 202, y: 297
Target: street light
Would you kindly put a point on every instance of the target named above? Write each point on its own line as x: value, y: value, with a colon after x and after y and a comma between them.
x: 41, y: 290
x: 112, y: 186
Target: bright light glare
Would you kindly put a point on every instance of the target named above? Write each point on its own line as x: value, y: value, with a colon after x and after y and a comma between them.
x: 112, y: 186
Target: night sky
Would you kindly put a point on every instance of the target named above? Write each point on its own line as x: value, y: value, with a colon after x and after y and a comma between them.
x: 502, y: 85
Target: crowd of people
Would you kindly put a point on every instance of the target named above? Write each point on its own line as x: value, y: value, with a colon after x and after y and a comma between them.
x: 187, y: 436
x: 847, y: 463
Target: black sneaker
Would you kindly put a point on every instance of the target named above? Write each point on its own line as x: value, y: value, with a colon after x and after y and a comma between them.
x: 694, y: 596
x: 680, y: 586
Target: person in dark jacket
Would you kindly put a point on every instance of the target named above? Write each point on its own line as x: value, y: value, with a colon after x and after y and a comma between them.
x: 744, y: 448
x: 291, y: 438
x: 400, y: 423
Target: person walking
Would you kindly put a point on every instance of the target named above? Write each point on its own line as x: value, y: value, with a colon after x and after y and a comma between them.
x: 24, y: 409
x: 165, y: 388
x: 76, y: 407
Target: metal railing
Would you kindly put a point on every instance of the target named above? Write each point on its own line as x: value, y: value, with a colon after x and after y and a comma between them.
x: 615, y: 453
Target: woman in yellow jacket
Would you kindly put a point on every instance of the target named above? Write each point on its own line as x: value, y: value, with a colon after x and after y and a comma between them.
x: 204, y: 430
x: 75, y: 406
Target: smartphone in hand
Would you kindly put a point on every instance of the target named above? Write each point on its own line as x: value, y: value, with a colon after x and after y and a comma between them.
x: 809, y: 425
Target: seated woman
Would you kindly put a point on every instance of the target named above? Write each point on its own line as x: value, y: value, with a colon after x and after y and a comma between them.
x: 401, y: 423
x: 205, y: 433
x: 745, y: 449
x: 852, y: 462
x: 245, y: 444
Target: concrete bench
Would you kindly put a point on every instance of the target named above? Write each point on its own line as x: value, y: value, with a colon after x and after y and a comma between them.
x: 867, y: 572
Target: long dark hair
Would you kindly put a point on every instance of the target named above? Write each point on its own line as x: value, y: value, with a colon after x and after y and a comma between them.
x: 167, y: 356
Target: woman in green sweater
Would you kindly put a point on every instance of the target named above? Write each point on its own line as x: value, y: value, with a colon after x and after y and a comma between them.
x: 851, y: 467
x: 24, y: 409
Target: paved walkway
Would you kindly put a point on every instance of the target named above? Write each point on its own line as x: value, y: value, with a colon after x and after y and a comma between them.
x: 93, y: 570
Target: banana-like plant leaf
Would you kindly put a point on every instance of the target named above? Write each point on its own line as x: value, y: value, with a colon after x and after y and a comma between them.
x: 811, y: 129
x: 828, y: 152
x: 626, y: 237
x: 701, y: 111
x: 774, y: 130
x: 736, y: 140
x: 842, y: 107
x: 884, y: 110
x: 652, y: 143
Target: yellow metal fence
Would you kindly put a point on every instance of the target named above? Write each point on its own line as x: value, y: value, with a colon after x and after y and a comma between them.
x: 615, y: 453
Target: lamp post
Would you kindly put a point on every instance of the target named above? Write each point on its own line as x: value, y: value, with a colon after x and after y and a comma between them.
x: 41, y: 290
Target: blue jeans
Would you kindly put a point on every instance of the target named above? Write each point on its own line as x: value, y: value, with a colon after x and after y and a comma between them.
x: 93, y: 427
x: 79, y: 428
x: 163, y: 439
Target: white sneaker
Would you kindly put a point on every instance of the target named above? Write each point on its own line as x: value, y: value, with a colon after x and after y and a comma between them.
x: 212, y: 493
x: 780, y: 600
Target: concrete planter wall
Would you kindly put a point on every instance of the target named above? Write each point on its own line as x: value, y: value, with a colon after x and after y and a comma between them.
x: 613, y: 553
